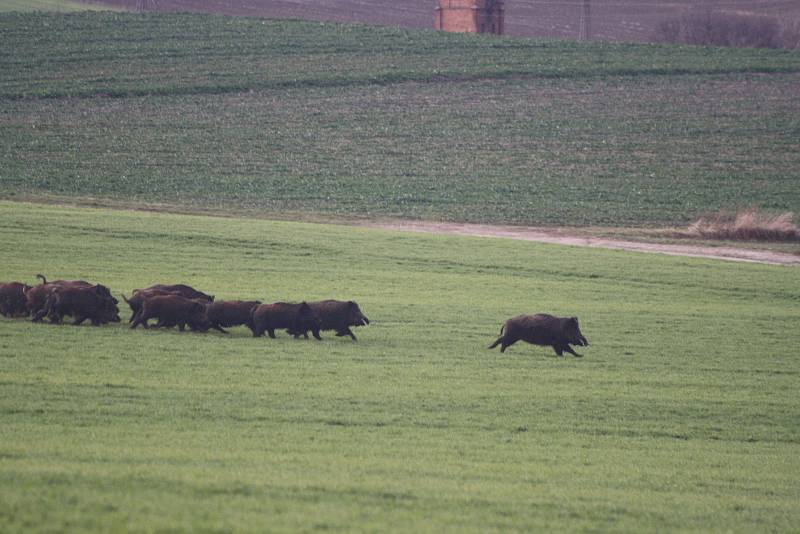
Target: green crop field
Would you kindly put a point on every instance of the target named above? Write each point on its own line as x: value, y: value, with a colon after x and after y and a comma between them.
x: 51, y: 5
x: 682, y: 416
x: 252, y: 115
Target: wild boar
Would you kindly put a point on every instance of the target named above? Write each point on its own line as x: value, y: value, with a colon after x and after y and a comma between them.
x: 181, y: 289
x: 298, y: 318
x: 171, y: 310
x: 80, y: 303
x: 231, y: 313
x: 542, y: 329
x: 138, y: 297
x: 36, y: 297
x: 338, y: 315
x: 12, y: 299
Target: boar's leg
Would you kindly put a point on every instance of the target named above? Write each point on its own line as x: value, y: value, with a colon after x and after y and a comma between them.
x: 346, y: 332
x: 560, y: 349
x: 505, y: 342
x: 271, y: 332
x: 297, y: 333
x: 140, y: 321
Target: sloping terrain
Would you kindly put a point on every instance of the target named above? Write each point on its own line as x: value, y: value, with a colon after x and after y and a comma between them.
x: 242, y: 114
x: 610, y: 20
x: 680, y: 417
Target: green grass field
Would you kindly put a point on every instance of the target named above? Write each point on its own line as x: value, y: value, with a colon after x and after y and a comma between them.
x: 251, y: 115
x: 682, y: 416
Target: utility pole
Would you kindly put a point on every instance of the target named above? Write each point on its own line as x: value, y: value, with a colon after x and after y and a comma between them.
x: 586, y: 21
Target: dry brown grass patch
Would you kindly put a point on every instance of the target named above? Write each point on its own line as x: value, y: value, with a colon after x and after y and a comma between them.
x: 746, y: 225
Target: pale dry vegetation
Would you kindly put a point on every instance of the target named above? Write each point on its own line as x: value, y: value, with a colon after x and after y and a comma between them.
x: 746, y: 225
x: 706, y: 27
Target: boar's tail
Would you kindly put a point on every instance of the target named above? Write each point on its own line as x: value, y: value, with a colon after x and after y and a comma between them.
x: 42, y: 278
x: 124, y: 298
x: 499, y: 339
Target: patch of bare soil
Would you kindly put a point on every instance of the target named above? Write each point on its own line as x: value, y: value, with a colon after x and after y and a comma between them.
x: 564, y: 237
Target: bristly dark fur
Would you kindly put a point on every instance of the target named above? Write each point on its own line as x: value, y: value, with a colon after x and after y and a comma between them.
x: 542, y: 329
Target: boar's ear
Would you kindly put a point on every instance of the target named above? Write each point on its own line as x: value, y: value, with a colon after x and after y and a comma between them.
x: 211, y: 298
x: 351, y: 304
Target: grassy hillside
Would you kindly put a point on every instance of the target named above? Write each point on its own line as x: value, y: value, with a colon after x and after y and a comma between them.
x: 681, y: 416
x: 249, y: 114
x: 53, y: 5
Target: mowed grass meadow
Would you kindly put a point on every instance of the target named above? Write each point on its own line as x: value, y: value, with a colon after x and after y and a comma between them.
x: 683, y: 414
x: 253, y: 115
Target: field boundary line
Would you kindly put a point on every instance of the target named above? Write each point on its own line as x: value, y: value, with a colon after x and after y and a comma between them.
x: 544, y: 235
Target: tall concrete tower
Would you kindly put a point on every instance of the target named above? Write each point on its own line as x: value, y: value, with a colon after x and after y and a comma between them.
x: 470, y: 16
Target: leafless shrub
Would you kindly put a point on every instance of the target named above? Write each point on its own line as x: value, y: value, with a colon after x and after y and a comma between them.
x: 746, y: 225
x: 706, y: 27
x: 790, y: 35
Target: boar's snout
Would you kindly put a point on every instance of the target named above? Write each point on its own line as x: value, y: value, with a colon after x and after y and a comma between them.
x: 574, y: 335
x: 357, y: 318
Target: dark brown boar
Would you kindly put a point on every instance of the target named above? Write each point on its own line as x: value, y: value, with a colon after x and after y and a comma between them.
x: 299, y: 318
x: 36, y: 297
x: 542, y: 329
x: 172, y: 310
x: 338, y: 315
x: 229, y: 313
x: 80, y: 303
x: 181, y: 289
x: 138, y: 297
x: 13, y: 302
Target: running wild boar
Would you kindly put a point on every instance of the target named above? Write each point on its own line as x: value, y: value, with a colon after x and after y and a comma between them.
x: 542, y: 329
x: 296, y: 318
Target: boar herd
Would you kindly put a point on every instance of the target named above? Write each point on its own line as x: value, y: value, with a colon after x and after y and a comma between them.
x: 183, y: 306
x: 175, y: 305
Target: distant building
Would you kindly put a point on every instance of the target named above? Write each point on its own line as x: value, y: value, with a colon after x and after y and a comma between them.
x: 470, y: 16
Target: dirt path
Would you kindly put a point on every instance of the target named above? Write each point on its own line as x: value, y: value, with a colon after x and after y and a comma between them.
x: 551, y: 236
